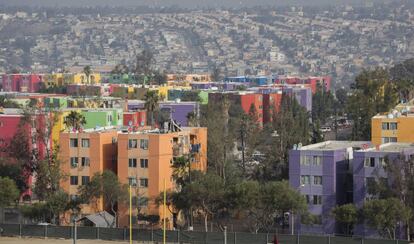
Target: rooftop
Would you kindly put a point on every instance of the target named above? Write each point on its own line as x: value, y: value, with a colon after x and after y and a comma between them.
x: 336, y: 145
x: 390, y: 147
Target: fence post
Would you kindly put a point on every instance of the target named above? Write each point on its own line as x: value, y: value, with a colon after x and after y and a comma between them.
x: 267, y: 238
x: 235, y: 236
x: 329, y: 239
x: 297, y: 239
x: 178, y: 236
x: 152, y: 235
x: 45, y: 231
x: 225, y: 234
x: 97, y: 233
x: 20, y: 230
x: 362, y: 240
x: 124, y: 234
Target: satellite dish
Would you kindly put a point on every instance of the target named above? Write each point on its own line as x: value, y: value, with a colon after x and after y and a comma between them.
x: 142, y: 123
x: 300, y: 145
x: 130, y: 123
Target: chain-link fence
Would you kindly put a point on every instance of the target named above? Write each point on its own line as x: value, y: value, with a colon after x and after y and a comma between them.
x: 187, y: 237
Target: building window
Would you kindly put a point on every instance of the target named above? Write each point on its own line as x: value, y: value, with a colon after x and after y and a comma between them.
x: 73, y: 142
x: 144, y: 163
x: 74, y: 180
x: 132, y: 163
x: 317, y: 200
x: 85, y: 143
x: 388, y: 139
x: 132, y: 143
x: 317, y: 180
x: 317, y: 160
x: 73, y: 162
x: 304, y: 179
x: 85, y: 162
x: 143, y: 144
x: 389, y: 126
x: 143, y: 182
x: 305, y: 160
x: 85, y: 180
x: 369, y: 162
x: 132, y: 181
x: 370, y: 184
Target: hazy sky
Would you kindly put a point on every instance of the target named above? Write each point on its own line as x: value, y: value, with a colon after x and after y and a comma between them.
x: 181, y: 3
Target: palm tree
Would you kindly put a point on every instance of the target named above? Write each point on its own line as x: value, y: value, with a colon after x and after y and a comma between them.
x: 75, y: 120
x: 87, y: 70
x: 151, y: 103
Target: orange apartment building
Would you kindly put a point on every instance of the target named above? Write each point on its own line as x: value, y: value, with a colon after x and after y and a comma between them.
x: 83, y: 154
x: 141, y: 159
x: 144, y: 162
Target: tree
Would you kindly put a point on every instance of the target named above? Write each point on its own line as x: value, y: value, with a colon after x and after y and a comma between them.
x: 402, y: 75
x: 160, y: 78
x: 15, y: 172
x: 87, y: 71
x: 107, y: 188
x: 386, y: 215
x: 144, y: 64
x: 8, y: 192
x: 290, y: 125
x: 372, y: 93
x: 215, y: 74
x: 49, y: 176
x: 120, y: 69
x: 347, y: 215
x: 323, y: 103
x: 75, y: 120
x: 57, y: 203
x: 151, y: 104
x: 5, y: 102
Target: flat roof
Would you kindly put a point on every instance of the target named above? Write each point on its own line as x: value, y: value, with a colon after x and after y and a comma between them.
x: 335, y: 145
x: 390, y: 147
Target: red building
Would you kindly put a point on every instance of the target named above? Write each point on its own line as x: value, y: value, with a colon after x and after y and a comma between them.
x: 313, y: 82
x: 9, y: 126
x: 137, y: 118
x: 21, y: 82
x: 244, y: 99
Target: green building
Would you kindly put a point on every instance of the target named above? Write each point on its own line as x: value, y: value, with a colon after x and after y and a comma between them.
x: 103, y: 117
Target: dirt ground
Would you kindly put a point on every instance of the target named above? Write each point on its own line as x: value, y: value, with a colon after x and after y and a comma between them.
x: 12, y: 240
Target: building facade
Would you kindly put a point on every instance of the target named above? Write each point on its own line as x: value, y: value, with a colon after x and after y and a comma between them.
x: 322, y: 174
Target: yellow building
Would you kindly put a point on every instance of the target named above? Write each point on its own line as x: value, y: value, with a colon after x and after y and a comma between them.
x: 396, y: 126
x: 80, y: 78
x: 56, y: 79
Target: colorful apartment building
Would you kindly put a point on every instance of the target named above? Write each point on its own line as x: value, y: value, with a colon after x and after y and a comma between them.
x: 144, y: 162
x: 178, y: 111
x: 322, y: 173
x: 135, y: 119
x: 313, y: 82
x: 245, y: 99
x: 82, y: 155
x: 21, y: 82
x: 368, y: 166
x: 396, y: 126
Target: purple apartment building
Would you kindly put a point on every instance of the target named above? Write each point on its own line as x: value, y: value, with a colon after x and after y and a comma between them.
x: 321, y: 172
x: 177, y: 110
x: 368, y: 165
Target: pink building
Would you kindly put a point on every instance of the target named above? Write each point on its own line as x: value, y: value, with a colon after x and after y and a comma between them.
x: 21, y: 82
